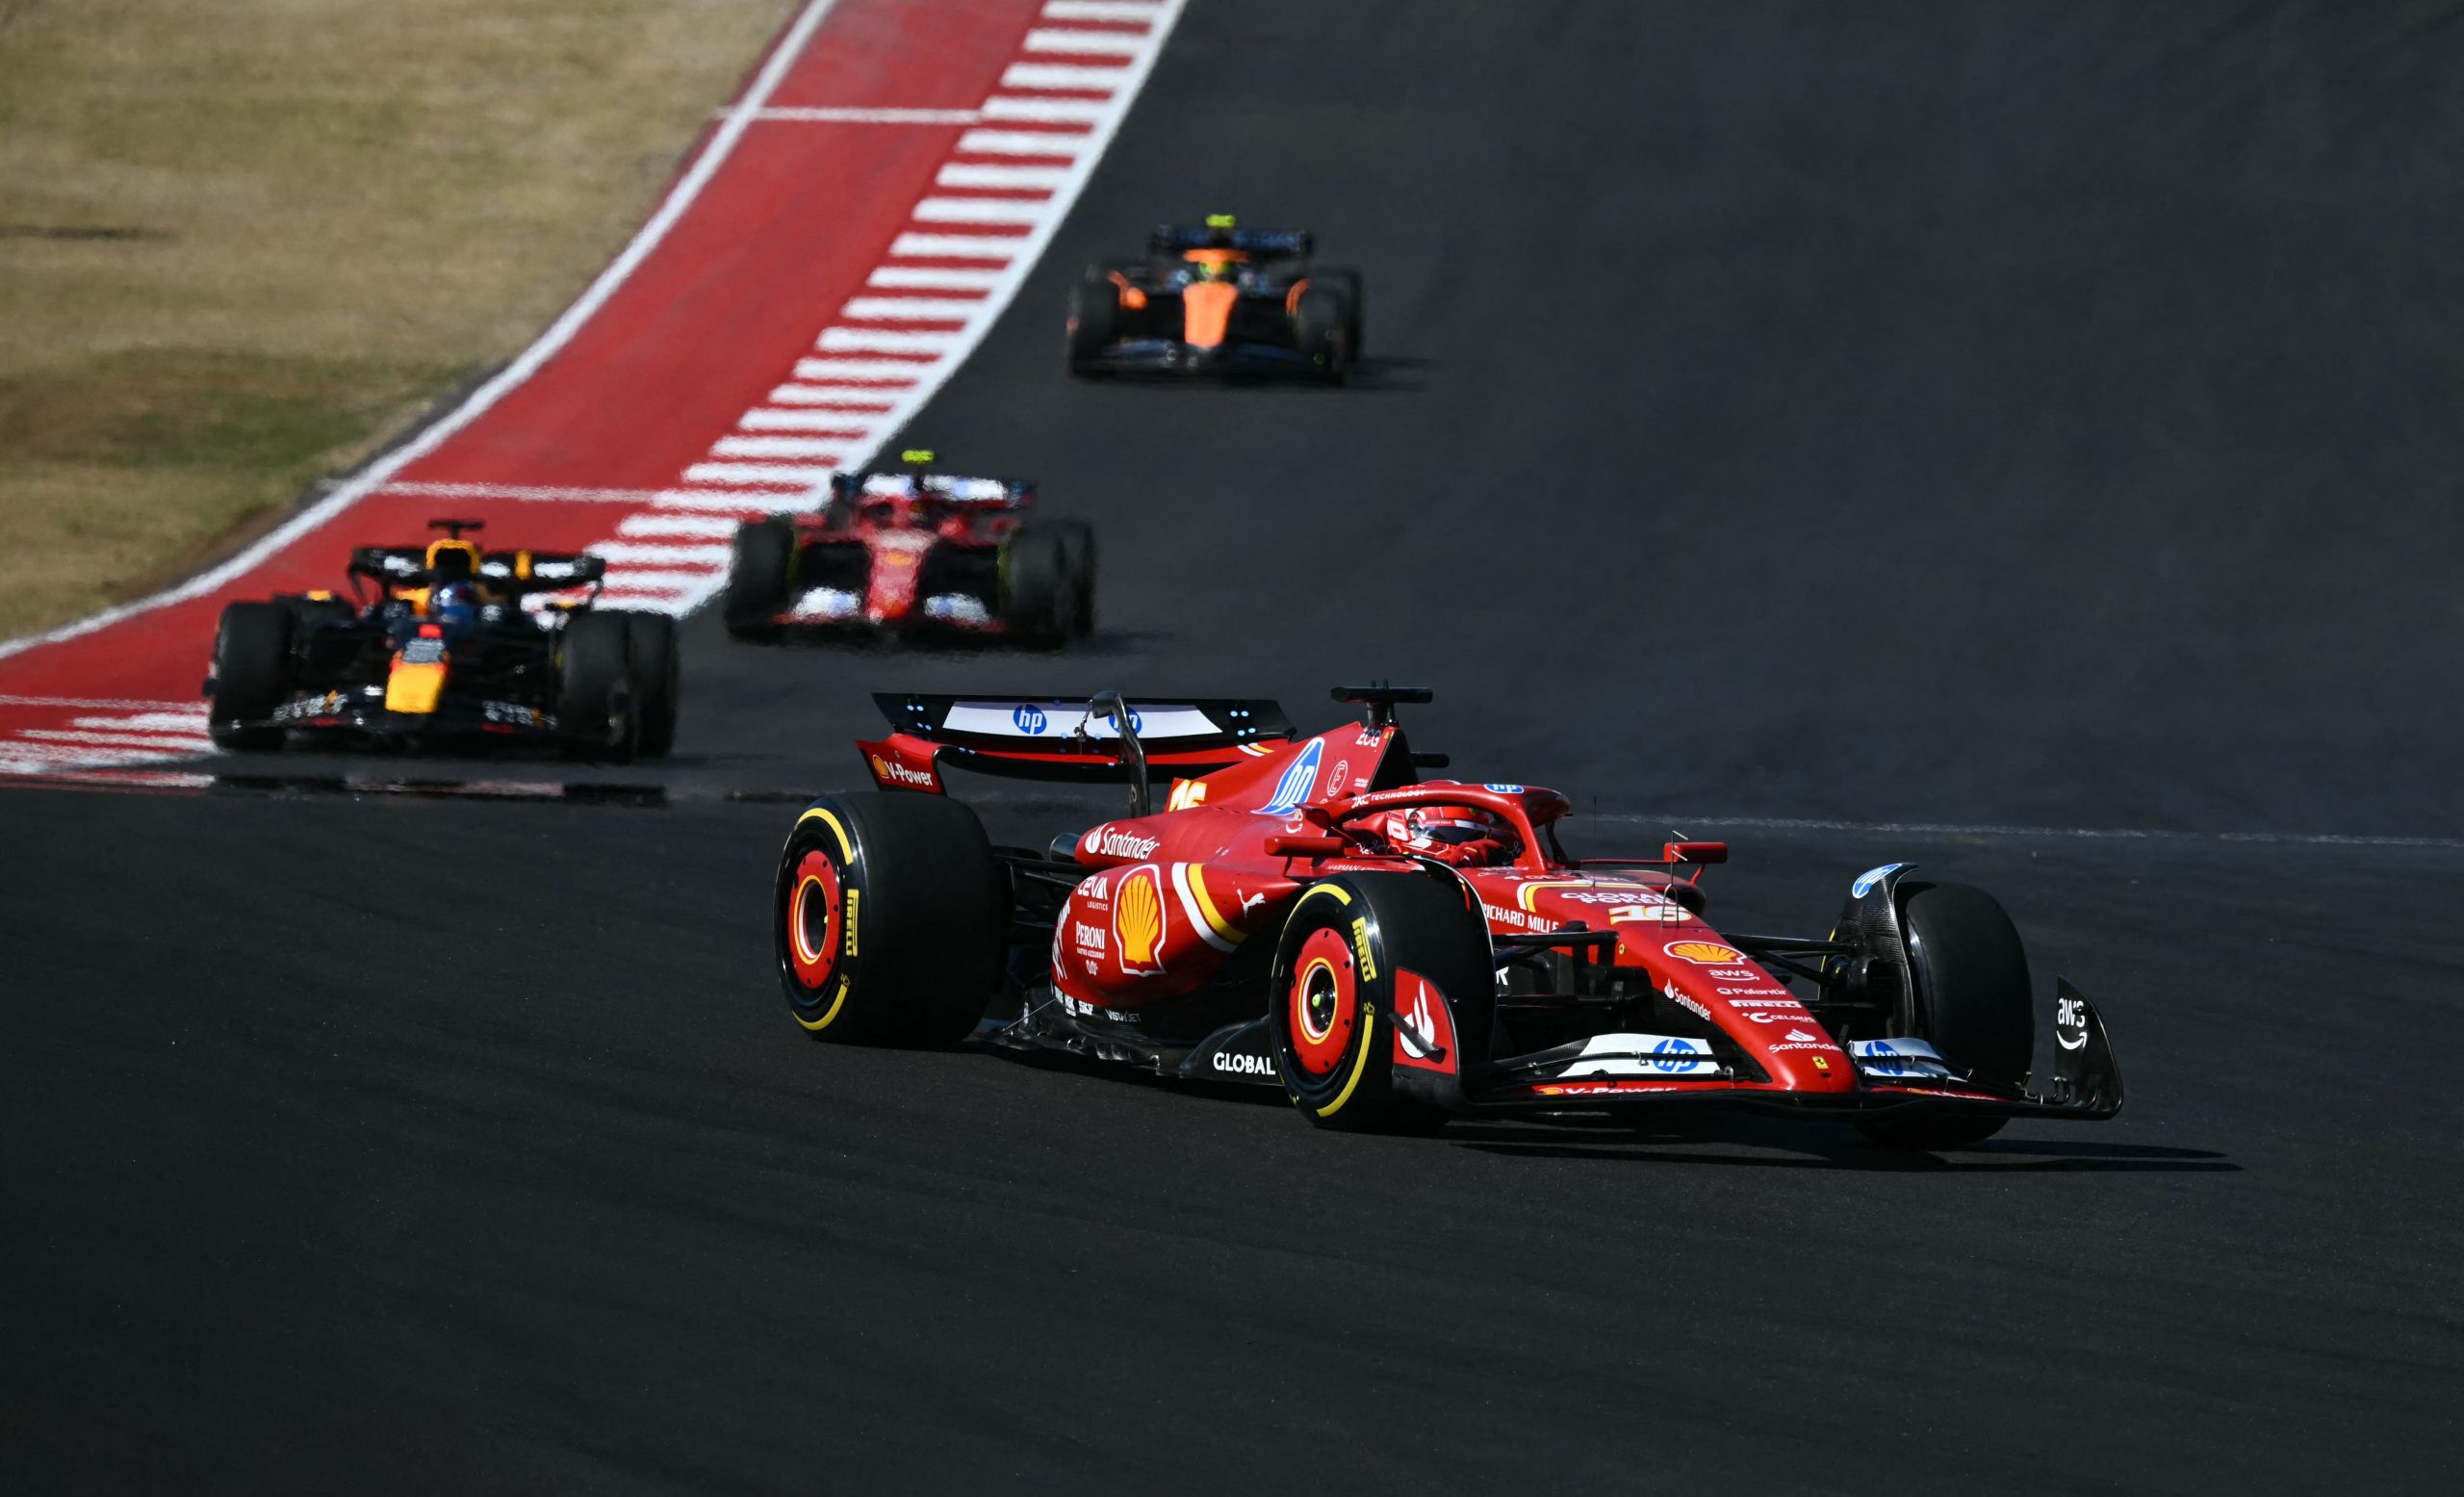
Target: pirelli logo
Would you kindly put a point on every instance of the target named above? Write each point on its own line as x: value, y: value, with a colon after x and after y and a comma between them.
x: 1360, y: 949
x: 852, y: 895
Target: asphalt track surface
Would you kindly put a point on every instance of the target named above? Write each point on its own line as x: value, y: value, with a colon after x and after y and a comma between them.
x: 2014, y: 415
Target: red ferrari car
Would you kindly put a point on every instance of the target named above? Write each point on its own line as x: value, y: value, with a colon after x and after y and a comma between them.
x: 915, y: 552
x: 1309, y: 912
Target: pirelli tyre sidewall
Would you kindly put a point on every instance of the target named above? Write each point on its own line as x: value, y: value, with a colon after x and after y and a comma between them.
x: 890, y: 919
x: 1331, y: 994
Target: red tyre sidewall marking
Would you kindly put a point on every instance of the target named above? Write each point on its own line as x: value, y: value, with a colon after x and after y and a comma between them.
x: 816, y: 878
x: 1321, y: 1051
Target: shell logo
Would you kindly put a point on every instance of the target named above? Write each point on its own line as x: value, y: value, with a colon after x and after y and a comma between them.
x: 1138, y: 921
x: 1704, y: 953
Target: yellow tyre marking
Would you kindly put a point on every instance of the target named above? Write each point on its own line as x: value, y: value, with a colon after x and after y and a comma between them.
x: 846, y: 848
x: 847, y: 852
x: 1314, y: 890
x: 1360, y: 1066
x: 823, y: 1023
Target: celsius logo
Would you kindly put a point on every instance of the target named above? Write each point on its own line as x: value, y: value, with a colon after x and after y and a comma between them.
x: 1028, y: 717
x: 1244, y: 1065
x: 1866, y: 879
x: 1118, y: 844
x: 1296, y: 782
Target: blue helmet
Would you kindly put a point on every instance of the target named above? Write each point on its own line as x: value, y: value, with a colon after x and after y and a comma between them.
x: 453, y: 604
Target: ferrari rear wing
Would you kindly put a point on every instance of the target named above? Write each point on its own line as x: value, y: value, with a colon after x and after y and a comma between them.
x: 1066, y: 740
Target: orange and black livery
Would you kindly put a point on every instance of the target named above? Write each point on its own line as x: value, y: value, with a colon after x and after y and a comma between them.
x: 1218, y: 298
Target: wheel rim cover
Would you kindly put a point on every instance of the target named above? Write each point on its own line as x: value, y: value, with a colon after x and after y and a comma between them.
x: 813, y: 912
x: 1323, y: 1006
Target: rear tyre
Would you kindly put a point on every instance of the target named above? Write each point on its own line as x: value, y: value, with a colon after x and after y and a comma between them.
x: 1040, y: 599
x: 253, y: 675
x: 1332, y: 992
x: 761, y: 570
x: 1321, y: 330
x: 1094, y: 319
x: 1970, y: 1000
x: 891, y: 919
x: 651, y: 665
x: 595, y: 694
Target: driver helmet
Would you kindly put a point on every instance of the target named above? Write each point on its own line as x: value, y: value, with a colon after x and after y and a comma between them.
x: 1466, y: 837
x: 454, y: 604
x: 1214, y: 265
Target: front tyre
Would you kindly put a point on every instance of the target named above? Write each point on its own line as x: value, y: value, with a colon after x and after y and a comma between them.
x: 595, y: 700
x: 1970, y: 1000
x: 251, y: 675
x: 890, y: 919
x: 1331, y: 994
x: 657, y: 681
x: 1094, y: 320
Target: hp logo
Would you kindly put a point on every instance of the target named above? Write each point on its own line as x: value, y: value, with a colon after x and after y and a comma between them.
x: 1030, y: 718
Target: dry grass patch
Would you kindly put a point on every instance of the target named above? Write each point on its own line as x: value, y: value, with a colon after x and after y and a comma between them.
x: 238, y: 240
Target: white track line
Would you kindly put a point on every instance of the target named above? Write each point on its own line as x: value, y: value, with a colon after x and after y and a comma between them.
x: 538, y: 493
x: 1090, y: 112
x: 788, y: 113
x: 959, y: 247
x: 651, y: 523
x: 806, y: 475
x: 191, y: 720
x: 1065, y: 76
x: 907, y: 277
x: 105, y: 704
x: 688, y: 188
x: 874, y: 339
x: 1086, y: 43
x: 965, y: 174
x: 910, y: 309
x: 779, y: 447
x: 1104, y: 11
x: 981, y: 210
x: 903, y: 372
x: 854, y: 399
x: 1022, y: 142
x: 153, y: 744
x: 769, y: 419
x: 629, y: 555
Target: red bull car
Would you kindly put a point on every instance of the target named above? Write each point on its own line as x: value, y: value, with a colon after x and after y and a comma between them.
x: 1218, y: 299
x: 1311, y: 913
x: 915, y: 553
x: 447, y: 644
